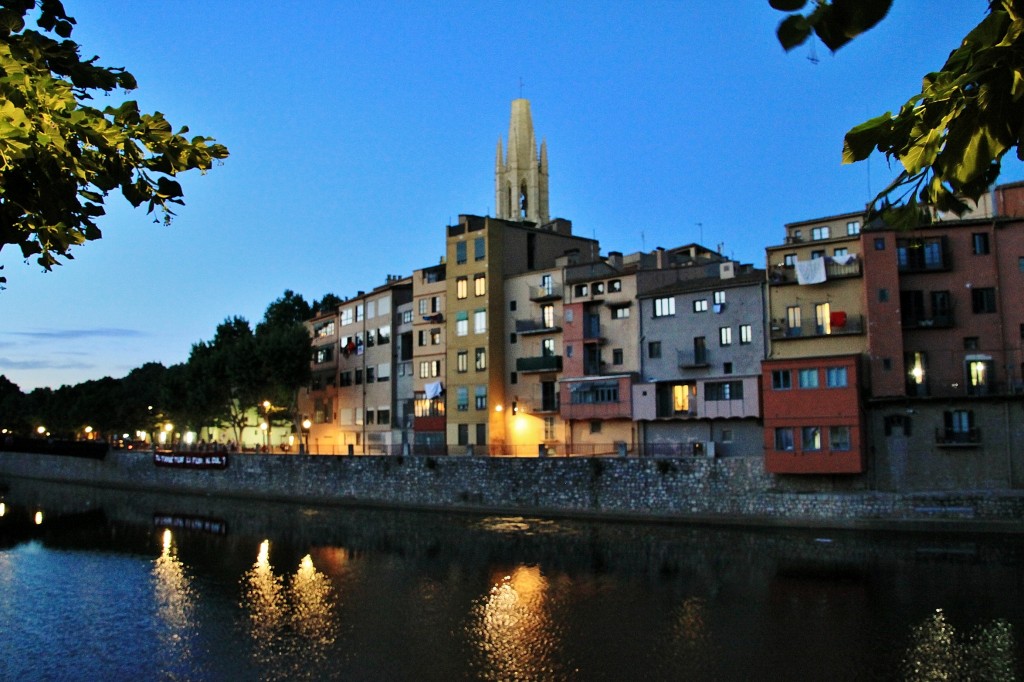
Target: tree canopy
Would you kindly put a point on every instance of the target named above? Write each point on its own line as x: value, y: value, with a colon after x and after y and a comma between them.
x: 60, y: 157
x: 951, y: 137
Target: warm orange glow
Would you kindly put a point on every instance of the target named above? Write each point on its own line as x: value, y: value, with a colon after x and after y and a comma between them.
x: 39, y: 518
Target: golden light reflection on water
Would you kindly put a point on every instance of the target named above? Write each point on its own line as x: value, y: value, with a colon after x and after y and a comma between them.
x: 512, y: 628
x: 292, y: 624
x: 175, y: 602
x: 938, y: 652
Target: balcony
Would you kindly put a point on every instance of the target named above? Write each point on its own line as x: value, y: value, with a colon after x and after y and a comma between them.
x: 929, y: 255
x: 528, y: 327
x: 543, y: 294
x: 940, y: 321
x: 787, y: 274
x: 951, y: 438
x: 543, y: 363
x: 692, y: 359
x: 854, y: 324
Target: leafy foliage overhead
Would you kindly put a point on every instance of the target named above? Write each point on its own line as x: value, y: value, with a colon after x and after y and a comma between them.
x: 60, y: 157
x: 951, y: 137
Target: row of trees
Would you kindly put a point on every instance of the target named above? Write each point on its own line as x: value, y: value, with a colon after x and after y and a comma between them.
x: 224, y: 383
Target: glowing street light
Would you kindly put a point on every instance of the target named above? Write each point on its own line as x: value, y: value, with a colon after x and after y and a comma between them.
x: 306, y: 424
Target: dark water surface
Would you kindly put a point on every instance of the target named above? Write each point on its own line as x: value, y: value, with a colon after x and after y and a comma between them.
x: 114, y: 585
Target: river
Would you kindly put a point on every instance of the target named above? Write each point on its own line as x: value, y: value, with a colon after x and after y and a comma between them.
x: 117, y: 585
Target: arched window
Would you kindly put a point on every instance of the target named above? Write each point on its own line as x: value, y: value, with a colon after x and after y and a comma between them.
x: 522, y: 200
x: 511, y: 201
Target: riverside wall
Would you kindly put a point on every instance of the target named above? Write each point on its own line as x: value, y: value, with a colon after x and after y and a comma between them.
x: 732, y: 490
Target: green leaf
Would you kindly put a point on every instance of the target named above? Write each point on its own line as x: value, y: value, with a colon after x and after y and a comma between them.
x: 787, y: 5
x: 863, y: 139
x: 793, y: 31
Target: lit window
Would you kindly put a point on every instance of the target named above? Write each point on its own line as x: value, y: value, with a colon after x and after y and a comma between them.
x: 479, y: 284
x: 700, y: 305
x: 479, y: 321
x: 461, y: 288
x: 810, y: 438
x: 481, y: 359
x: 746, y: 333
x: 725, y: 336
x: 481, y: 397
x: 664, y: 307
x: 462, y: 361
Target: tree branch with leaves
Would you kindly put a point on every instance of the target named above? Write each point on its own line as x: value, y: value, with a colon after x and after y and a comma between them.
x: 60, y: 157
x: 950, y: 138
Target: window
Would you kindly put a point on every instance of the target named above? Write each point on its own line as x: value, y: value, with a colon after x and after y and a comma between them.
x: 462, y: 361
x: 835, y: 377
x: 839, y: 438
x: 959, y: 427
x: 725, y: 336
x: 346, y: 316
x: 979, y: 243
x: 789, y: 260
x: 406, y: 317
x: 323, y: 330
x: 979, y: 376
x: 615, y: 285
x: 784, y: 438
x: 983, y: 300
x: 1020, y: 263
x: 793, y: 320
x: 384, y: 371
x: 463, y: 430
x: 818, y: 253
x: 384, y: 335
x: 595, y: 426
x: 810, y: 438
x: 481, y: 359
x: 481, y: 434
x: 513, y: 378
x: 359, y: 313
x: 435, y: 336
x: 822, y: 318
x: 481, y: 397
x: 971, y: 342
x: 809, y: 378
x: 359, y: 377
x: 479, y: 284
x: 549, y: 428
x: 723, y: 390
x: 820, y: 233
x: 782, y: 380
x: 840, y: 251
x: 547, y: 314
x: 512, y: 338
x: 371, y: 338
x: 719, y: 297
x: 879, y: 243
x: 479, y: 249
x: 616, y: 356
x: 369, y: 417
x: 371, y: 309
x: 682, y: 394
x: 746, y: 334
x: 580, y: 290
x: 512, y: 306
x: 460, y: 253
x: 594, y: 392
x: 461, y: 323
x: 384, y: 416
x: 323, y: 354
x: 547, y: 348
x: 654, y: 349
x: 853, y: 227
x: 461, y: 288
x: 462, y: 398
x: 726, y: 435
x: 424, y: 306
x: 883, y: 295
x: 424, y: 369
x: 479, y: 321
x: 726, y: 368
x: 370, y: 372
x: 620, y: 312
x: 345, y: 379
x: 598, y: 288
x: 700, y: 305
x: 664, y: 307
x: 547, y: 285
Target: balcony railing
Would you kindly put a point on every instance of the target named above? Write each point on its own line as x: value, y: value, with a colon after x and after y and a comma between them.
x: 527, y: 327
x: 854, y: 324
x: 543, y: 363
x: 941, y: 321
x: 691, y: 359
x: 787, y: 274
x: 548, y: 293
x: 952, y: 438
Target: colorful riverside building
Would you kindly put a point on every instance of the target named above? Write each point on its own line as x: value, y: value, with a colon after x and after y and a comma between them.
x: 895, y: 356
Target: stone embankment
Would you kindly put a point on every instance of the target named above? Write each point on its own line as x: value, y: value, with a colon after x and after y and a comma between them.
x: 727, y: 490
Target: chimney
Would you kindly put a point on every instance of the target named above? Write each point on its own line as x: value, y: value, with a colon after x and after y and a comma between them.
x: 614, y: 259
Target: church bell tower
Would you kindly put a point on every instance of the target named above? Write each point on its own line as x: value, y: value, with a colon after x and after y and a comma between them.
x: 521, y: 173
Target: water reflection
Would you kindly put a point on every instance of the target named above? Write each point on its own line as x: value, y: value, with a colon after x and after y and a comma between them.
x: 175, y: 609
x: 512, y: 628
x: 938, y: 652
x: 292, y: 626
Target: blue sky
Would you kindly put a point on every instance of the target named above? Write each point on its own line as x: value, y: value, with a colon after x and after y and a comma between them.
x: 358, y: 131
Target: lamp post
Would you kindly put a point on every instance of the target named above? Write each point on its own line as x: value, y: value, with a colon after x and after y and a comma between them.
x: 305, y: 433
x: 266, y: 424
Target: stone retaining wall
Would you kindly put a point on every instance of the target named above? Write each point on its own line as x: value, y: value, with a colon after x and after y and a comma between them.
x: 727, y: 490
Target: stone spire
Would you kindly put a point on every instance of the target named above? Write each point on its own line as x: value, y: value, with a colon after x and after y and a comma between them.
x: 521, y: 174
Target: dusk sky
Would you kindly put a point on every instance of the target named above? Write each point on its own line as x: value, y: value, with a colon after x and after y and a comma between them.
x: 358, y: 131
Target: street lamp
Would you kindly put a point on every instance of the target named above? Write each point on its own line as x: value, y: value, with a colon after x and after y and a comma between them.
x: 265, y: 426
x: 168, y: 434
x: 306, y: 424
